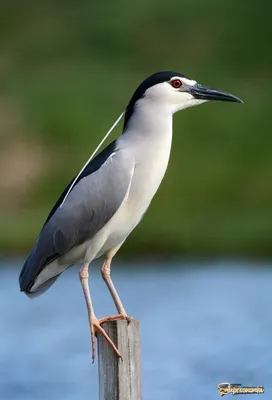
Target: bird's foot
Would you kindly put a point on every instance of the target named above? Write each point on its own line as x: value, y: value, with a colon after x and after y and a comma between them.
x: 95, y: 326
x: 116, y: 318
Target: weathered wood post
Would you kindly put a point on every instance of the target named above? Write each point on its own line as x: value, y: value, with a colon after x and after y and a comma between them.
x: 120, y: 379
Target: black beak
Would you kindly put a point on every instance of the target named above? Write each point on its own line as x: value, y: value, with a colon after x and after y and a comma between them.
x: 205, y: 93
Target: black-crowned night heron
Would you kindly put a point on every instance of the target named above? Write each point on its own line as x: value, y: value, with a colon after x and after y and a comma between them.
x: 112, y: 193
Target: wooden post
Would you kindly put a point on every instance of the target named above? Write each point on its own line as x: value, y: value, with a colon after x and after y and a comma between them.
x: 120, y: 379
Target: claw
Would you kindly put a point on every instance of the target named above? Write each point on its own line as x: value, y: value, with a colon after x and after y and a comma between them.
x: 95, y: 328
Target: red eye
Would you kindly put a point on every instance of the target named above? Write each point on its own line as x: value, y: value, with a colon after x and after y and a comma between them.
x: 176, y: 83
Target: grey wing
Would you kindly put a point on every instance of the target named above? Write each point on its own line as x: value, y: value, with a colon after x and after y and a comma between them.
x: 89, y: 206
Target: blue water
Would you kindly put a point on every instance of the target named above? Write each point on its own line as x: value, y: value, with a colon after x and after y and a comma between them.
x: 201, y: 324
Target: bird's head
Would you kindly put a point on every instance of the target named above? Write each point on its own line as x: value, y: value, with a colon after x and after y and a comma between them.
x: 174, y: 92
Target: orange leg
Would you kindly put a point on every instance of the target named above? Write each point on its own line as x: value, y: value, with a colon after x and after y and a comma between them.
x: 105, y: 271
x: 94, y: 322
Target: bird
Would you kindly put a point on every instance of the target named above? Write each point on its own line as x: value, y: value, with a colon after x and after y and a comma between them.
x: 100, y: 208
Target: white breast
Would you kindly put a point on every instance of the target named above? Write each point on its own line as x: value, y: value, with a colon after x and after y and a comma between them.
x: 151, y: 164
x: 148, y: 138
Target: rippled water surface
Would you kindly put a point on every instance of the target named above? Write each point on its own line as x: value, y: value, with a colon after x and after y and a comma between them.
x: 201, y: 324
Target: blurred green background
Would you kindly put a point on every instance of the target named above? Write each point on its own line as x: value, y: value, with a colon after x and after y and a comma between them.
x: 69, y: 68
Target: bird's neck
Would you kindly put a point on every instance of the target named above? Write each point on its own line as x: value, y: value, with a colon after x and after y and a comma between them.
x: 152, y: 121
x: 148, y: 138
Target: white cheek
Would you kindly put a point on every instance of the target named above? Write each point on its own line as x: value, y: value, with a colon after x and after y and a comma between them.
x: 174, y: 100
x: 186, y: 100
x: 159, y: 91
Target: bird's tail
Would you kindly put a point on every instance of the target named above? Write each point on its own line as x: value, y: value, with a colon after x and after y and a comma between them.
x: 42, y: 288
x: 34, y: 280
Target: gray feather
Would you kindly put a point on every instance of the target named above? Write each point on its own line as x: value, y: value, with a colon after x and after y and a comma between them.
x: 89, y: 206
